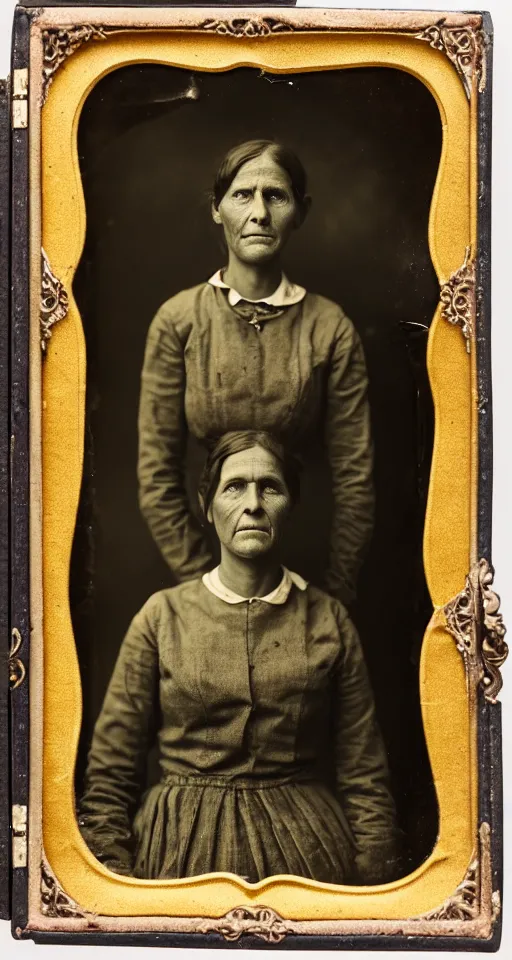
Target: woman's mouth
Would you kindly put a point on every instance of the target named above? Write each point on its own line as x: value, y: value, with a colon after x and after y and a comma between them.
x: 253, y: 530
x: 267, y: 237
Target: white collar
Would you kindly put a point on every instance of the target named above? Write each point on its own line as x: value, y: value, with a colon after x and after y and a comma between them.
x: 286, y: 293
x: 214, y: 584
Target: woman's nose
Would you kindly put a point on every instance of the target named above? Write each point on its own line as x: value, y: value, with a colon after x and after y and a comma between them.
x: 259, y: 211
x: 252, y: 498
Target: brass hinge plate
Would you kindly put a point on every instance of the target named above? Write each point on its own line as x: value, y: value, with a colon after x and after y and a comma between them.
x: 19, y: 835
x: 20, y: 99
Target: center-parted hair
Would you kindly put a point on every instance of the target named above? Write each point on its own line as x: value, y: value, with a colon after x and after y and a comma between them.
x: 250, y: 150
x: 236, y: 441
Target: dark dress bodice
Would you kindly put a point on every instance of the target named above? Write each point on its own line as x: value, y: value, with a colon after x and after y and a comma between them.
x: 301, y: 376
x: 244, y: 700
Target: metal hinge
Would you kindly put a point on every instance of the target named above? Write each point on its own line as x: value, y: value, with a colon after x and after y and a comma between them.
x: 19, y: 835
x: 20, y: 99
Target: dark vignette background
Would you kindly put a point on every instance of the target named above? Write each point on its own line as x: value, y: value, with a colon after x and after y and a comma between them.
x: 150, y: 140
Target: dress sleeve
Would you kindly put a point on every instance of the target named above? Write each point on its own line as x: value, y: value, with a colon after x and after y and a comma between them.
x: 348, y: 437
x: 362, y: 778
x: 162, y: 448
x: 123, y: 735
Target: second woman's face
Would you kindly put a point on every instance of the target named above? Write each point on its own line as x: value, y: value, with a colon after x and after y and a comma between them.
x: 258, y: 211
x: 251, y: 503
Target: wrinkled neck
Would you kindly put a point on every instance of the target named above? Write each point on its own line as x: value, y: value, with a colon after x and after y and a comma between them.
x: 250, y: 577
x: 254, y: 281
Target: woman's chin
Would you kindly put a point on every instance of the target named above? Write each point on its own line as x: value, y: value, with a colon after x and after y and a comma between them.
x: 259, y: 254
x: 252, y: 545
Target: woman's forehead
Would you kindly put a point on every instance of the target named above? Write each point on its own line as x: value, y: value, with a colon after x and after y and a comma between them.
x: 251, y: 464
x: 263, y: 168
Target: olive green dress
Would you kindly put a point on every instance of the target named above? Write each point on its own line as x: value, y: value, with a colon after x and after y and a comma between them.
x: 252, y: 702
x: 300, y: 374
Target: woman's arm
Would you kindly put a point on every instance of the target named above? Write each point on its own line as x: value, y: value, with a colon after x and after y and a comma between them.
x: 349, y: 444
x: 162, y: 447
x: 124, y: 732
x: 362, y: 778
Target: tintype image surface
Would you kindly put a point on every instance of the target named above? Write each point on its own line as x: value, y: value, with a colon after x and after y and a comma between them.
x: 256, y: 290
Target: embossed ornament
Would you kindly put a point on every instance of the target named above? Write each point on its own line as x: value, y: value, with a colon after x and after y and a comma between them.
x: 458, y: 299
x: 474, y: 620
x: 494, y: 648
x: 259, y: 922
x: 54, y: 902
x: 17, y: 671
x: 59, y: 44
x: 54, y: 301
x: 464, y: 46
x: 463, y: 904
x: 242, y: 27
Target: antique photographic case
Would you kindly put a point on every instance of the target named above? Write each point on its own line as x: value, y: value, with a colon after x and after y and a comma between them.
x: 115, y: 119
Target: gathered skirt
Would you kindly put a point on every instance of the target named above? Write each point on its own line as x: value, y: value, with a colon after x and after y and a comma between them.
x: 188, y: 826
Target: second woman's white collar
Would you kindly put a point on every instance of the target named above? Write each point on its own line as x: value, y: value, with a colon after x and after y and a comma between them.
x: 214, y: 584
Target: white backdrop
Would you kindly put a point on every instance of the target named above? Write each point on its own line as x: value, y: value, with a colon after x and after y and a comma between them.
x: 501, y: 12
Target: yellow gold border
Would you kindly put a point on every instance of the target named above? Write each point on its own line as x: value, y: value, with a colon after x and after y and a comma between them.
x: 448, y: 714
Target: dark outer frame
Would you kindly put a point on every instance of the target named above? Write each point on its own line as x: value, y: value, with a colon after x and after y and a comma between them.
x: 5, y: 126
x: 489, y: 715
x: 20, y: 464
x: 490, y: 799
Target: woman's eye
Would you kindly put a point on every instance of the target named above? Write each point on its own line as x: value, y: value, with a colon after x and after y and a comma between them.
x: 241, y: 194
x: 271, y: 488
x: 234, y: 487
x: 277, y: 196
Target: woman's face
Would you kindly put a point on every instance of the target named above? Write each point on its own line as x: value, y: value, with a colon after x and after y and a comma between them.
x: 258, y: 211
x: 251, y: 503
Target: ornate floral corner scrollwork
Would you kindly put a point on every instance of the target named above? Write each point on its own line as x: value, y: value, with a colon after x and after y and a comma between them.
x: 54, y: 902
x: 464, y: 902
x: 458, y: 299
x: 59, y: 44
x: 464, y: 46
x: 242, y: 27
x: 259, y: 922
x: 17, y: 671
x: 474, y: 620
x: 469, y: 899
x: 54, y: 301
